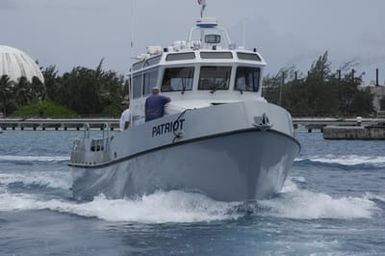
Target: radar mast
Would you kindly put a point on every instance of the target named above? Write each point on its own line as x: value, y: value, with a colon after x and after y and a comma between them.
x: 203, y: 5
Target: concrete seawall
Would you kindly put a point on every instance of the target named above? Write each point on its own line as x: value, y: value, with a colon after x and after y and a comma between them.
x: 354, y: 133
x: 111, y: 123
x: 58, y: 124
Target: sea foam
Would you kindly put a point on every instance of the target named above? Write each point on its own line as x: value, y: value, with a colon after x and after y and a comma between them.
x: 17, y: 158
x: 295, y: 203
x: 161, y: 207
x: 183, y: 207
x: 346, y: 160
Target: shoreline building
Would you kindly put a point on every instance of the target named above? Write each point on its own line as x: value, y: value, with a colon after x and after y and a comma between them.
x: 15, y: 64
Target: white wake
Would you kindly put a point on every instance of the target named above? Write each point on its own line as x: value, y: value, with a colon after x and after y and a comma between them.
x: 348, y: 160
x: 182, y: 207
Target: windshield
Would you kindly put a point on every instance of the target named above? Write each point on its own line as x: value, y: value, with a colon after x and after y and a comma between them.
x: 247, y: 79
x: 214, y: 78
x: 178, y: 79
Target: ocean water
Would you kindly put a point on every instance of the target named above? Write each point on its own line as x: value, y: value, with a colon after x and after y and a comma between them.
x: 333, y: 203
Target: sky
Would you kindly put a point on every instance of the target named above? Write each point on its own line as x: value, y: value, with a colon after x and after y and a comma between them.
x: 69, y: 33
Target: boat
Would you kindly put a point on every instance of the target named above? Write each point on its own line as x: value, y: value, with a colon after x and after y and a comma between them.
x: 218, y: 135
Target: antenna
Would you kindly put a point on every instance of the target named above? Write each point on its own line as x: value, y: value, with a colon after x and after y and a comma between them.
x: 132, y: 26
x: 131, y: 77
x: 244, y: 33
x: 203, y: 4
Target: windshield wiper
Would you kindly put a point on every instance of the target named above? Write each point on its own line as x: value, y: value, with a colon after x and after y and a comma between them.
x: 214, y: 88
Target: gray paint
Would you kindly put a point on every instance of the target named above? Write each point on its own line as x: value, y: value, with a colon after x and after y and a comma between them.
x: 238, y: 166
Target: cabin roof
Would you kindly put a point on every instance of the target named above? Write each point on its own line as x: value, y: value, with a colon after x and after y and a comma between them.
x: 205, y: 56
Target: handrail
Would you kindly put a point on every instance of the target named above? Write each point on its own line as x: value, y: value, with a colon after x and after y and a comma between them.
x: 106, y: 127
x: 86, y: 130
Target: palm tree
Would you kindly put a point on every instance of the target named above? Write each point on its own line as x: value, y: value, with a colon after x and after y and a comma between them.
x: 38, y: 89
x: 6, y: 93
x: 22, y: 92
x: 54, y: 90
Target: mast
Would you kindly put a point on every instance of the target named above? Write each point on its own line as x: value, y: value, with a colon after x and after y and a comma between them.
x: 131, y: 57
x: 203, y: 4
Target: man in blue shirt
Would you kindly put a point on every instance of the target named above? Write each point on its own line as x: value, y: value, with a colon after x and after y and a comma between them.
x: 154, y: 107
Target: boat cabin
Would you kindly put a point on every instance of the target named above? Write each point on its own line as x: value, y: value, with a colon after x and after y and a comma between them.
x: 200, y: 72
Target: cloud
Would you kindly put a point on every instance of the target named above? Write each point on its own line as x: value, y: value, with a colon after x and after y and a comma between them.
x: 7, y: 4
x: 68, y: 33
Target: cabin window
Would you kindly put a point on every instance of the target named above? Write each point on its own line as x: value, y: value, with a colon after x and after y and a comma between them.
x: 214, y: 78
x: 137, y: 65
x: 180, y: 56
x: 150, y: 80
x: 137, y: 86
x: 152, y: 61
x: 247, y: 79
x: 178, y: 79
x: 248, y: 56
x: 212, y: 39
x: 216, y: 55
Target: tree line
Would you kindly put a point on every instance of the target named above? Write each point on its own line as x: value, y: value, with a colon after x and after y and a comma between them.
x: 14, y: 95
x: 86, y: 91
x: 321, y: 92
x: 96, y: 92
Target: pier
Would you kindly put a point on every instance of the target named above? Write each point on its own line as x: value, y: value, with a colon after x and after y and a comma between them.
x: 102, y: 123
x: 354, y: 132
x: 346, y: 129
x: 320, y: 123
x: 58, y: 124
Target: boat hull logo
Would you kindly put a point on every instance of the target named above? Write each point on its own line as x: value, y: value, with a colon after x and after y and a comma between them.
x: 169, y: 127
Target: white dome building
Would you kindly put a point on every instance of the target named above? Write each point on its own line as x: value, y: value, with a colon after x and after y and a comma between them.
x: 16, y: 64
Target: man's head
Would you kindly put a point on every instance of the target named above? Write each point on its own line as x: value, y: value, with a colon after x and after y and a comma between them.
x: 155, y: 90
x: 125, y: 104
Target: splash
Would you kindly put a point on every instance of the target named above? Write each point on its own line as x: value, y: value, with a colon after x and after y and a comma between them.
x: 295, y: 203
x: 183, y: 207
x: 290, y: 185
x: 161, y: 207
x: 375, y: 197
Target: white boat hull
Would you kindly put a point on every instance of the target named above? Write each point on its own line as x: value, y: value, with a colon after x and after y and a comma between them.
x: 230, y: 152
x: 242, y: 165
